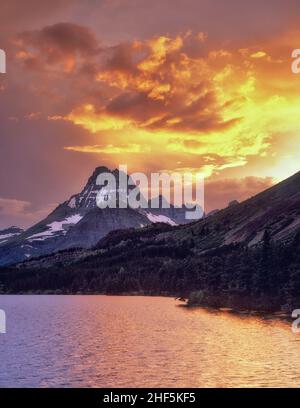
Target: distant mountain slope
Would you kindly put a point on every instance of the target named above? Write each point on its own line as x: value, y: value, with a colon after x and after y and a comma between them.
x: 9, y: 233
x: 78, y: 222
x: 276, y: 210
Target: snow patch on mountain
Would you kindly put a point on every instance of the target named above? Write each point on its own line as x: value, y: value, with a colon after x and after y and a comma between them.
x: 72, y: 203
x: 8, y: 233
x: 6, y: 236
x: 160, y: 218
x: 56, y: 227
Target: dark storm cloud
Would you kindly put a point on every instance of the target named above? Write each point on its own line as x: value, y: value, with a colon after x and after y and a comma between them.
x: 61, y: 42
x: 135, y: 105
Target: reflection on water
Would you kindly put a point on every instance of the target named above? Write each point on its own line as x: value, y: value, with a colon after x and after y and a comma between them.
x: 99, y: 341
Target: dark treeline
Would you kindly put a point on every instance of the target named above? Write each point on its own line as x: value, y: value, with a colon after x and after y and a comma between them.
x: 266, y: 278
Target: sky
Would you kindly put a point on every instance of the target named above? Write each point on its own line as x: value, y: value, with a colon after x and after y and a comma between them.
x: 182, y: 85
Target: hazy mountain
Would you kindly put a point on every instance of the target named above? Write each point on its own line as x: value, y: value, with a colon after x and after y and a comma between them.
x: 9, y: 233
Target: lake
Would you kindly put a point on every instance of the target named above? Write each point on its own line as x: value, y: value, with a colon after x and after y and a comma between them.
x: 110, y: 341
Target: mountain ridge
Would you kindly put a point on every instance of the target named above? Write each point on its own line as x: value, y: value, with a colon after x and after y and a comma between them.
x: 78, y: 222
x: 276, y: 210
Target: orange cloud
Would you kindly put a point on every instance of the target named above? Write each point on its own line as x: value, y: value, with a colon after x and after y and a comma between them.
x: 180, y: 97
x: 87, y: 117
x: 110, y: 149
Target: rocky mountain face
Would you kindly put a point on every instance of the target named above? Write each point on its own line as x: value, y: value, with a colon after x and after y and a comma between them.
x: 276, y: 210
x: 79, y: 222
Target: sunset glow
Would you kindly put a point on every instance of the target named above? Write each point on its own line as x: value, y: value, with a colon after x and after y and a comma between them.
x: 165, y: 100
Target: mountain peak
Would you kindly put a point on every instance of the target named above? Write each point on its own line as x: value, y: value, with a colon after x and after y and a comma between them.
x: 96, y: 172
x: 86, y: 199
x: 79, y: 222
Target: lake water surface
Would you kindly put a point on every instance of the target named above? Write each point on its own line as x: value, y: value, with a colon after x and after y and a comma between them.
x: 107, y: 341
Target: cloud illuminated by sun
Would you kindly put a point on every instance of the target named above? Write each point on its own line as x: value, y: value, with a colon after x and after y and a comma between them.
x: 179, y: 95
